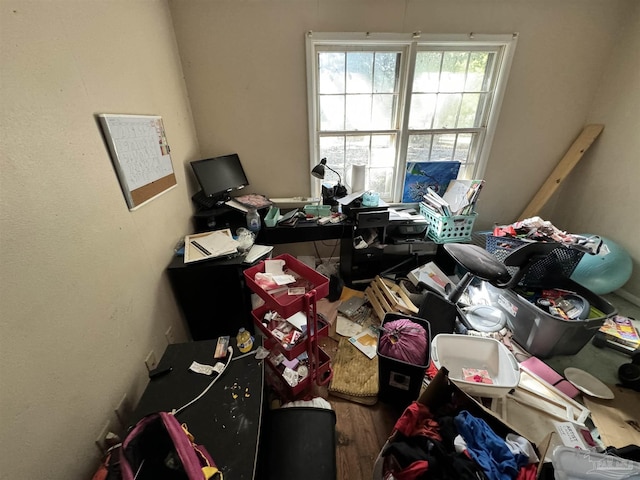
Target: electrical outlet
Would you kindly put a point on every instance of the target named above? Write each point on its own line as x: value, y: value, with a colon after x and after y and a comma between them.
x: 123, y: 411
x: 169, y: 335
x: 101, y: 439
x: 151, y: 361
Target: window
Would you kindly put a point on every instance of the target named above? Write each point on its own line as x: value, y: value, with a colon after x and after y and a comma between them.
x: 383, y: 100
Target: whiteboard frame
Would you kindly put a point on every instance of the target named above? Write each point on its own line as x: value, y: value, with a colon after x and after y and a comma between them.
x: 139, y: 192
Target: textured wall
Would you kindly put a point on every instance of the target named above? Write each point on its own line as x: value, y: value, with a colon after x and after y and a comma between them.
x: 83, y: 294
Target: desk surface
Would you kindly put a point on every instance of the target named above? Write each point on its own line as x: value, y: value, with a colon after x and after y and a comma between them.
x: 227, y: 419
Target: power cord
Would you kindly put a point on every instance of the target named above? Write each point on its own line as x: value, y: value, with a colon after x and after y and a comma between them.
x: 174, y: 412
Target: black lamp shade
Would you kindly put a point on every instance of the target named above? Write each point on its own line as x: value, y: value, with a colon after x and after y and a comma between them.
x: 318, y: 171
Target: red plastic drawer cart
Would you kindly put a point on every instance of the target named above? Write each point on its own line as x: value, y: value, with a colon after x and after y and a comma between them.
x: 285, y: 305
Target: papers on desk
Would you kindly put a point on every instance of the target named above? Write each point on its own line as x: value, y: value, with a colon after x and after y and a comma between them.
x: 257, y: 252
x: 204, y: 246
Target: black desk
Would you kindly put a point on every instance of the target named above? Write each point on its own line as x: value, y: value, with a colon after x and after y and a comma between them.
x: 305, y: 231
x: 227, y: 419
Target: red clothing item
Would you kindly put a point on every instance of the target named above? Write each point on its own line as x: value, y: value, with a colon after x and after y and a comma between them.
x: 528, y: 472
x: 417, y: 420
x: 413, y: 471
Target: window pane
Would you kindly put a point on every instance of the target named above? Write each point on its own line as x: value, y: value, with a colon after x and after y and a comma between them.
x: 358, y: 112
x: 423, y: 108
x: 383, y: 150
x: 382, y: 113
x: 332, y: 148
x: 357, y: 150
x: 469, y: 111
x: 477, y: 69
x: 443, y: 146
x: 331, y: 112
x: 427, y: 75
x: 386, y: 74
x: 331, y: 72
x: 360, y: 72
x: 381, y: 181
x: 447, y: 110
x: 454, y: 68
x: 463, y: 147
x: 419, y: 148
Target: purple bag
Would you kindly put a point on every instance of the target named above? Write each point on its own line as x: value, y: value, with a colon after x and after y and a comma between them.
x: 158, y: 446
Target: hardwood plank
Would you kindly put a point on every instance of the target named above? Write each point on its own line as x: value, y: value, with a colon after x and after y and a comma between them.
x: 562, y: 170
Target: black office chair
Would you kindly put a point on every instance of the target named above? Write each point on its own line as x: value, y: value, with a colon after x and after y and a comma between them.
x: 442, y: 312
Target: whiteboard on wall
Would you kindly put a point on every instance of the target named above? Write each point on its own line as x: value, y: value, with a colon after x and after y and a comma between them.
x: 140, y: 154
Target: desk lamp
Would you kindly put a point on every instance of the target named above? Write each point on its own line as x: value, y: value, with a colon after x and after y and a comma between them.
x: 329, y: 194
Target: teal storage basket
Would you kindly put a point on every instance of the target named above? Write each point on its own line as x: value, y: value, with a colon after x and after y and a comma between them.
x: 318, y: 210
x: 443, y: 229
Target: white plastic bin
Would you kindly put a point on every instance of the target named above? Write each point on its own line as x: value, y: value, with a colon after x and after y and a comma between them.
x: 458, y: 352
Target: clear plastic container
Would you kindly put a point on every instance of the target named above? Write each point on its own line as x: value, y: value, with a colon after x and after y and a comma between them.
x: 253, y: 220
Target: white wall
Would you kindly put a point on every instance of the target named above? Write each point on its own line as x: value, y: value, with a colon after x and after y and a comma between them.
x: 83, y: 293
x: 602, y: 195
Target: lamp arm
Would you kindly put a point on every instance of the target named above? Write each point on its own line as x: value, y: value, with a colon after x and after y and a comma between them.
x: 339, y: 177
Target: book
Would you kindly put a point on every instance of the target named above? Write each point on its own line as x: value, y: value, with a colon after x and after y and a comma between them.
x: 245, y: 202
x: 621, y: 330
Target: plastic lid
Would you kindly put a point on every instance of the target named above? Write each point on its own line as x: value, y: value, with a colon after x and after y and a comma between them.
x: 485, y: 318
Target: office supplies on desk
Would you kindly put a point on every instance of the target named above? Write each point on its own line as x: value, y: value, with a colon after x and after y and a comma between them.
x: 208, y: 245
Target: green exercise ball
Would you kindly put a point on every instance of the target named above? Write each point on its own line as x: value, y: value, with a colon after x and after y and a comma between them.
x: 604, y: 273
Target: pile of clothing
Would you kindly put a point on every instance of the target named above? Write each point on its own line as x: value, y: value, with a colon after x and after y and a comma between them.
x: 535, y: 228
x: 454, y: 444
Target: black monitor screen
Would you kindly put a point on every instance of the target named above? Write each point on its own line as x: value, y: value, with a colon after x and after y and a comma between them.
x: 220, y: 175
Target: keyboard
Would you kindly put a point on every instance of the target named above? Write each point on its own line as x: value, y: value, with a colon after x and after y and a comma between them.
x: 204, y: 202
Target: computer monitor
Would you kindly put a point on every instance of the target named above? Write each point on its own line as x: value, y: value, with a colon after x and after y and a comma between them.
x: 220, y: 176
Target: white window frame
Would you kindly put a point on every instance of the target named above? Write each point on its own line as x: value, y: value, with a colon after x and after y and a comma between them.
x: 410, y: 45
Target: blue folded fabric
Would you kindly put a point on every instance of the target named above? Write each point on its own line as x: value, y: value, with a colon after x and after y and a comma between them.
x: 485, y: 447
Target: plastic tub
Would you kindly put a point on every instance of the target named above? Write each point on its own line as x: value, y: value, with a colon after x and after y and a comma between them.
x: 443, y: 229
x: 542, y: 334
x: 272, y: 217
x: 459, y: 352
x: 399, y: 381
x: 575, y: 464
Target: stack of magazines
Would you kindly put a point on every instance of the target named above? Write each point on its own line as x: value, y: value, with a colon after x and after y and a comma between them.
x: 459, y: 199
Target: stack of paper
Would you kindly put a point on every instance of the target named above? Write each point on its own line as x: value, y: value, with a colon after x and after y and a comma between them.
x: 208, y: 245
x: 459, y: 199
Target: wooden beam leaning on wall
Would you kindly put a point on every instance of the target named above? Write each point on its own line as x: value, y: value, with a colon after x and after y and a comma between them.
x: 562, y: 170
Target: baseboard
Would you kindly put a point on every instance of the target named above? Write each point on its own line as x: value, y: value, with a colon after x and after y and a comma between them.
x: 629, y: 297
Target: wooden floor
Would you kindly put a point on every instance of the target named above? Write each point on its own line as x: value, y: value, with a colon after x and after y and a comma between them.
x: 361, y: 430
